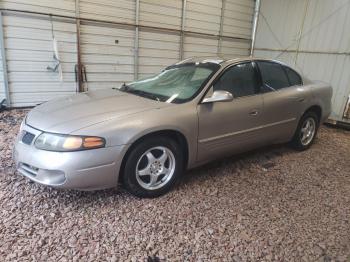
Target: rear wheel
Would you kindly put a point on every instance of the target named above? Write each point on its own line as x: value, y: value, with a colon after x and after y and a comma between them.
x: 153, y: 167
x: 306, y: 131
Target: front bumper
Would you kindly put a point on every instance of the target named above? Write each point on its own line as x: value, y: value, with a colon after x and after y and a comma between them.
x: 84, y: 170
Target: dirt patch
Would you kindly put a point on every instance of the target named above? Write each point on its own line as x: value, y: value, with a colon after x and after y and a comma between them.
x: 270, y: 204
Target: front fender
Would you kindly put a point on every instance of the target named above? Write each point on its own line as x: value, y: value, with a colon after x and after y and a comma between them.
x: 179, y: 118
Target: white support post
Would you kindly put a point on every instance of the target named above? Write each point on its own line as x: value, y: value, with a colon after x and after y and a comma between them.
x: 301, y: 31
x: 136, y: 43
x: 182, y: 33
x: 255, y: 26
x: 79, y: 63
x: 4, y: 64
x: 223, y: 4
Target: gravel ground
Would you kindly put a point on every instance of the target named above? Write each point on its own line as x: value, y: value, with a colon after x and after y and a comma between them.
x: 270, y: 204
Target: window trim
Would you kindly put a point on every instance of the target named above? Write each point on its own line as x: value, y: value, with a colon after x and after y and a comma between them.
x: 284, y: 70
x: 224, y: 70
x: 290, y: 83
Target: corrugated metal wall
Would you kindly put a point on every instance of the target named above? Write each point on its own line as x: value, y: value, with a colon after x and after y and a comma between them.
x: 159, y: 13
x: 203, y: 16
x: 62, y: 7
x: 314, y: 37
x: 108, y: 63
x: 110, y: 48
x: 195, y: 46
x: 238, y: 17
x: 2, y: 84
x: 29, y: 50
x: 157, y: 50
x: 107, y: 51
x: 108, y: 10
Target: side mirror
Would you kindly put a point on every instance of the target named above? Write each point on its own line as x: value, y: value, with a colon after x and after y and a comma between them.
x: 219, y: 96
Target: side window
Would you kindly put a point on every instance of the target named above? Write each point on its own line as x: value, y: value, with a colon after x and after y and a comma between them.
x: 239, y: 80
x: 273, y: 76
x: 294, y: 77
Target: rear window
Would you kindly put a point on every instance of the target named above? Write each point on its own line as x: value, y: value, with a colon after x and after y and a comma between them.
x: 273, y: 76
x: 294, y: 77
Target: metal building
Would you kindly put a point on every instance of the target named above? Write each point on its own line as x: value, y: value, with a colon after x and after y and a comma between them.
x: 103, y: 43
x: 314, y: 37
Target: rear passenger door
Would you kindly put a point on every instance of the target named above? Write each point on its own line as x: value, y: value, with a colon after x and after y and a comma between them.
x: 283, y: 97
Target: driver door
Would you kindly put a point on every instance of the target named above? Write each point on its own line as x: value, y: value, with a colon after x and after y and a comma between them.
x: 231, y: 126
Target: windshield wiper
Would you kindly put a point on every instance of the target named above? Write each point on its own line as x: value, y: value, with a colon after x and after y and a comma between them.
x: 143, y: 94
x: 124, y: 88
x: 129, y: 89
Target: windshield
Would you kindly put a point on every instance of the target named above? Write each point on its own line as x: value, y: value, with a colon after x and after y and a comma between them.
x: 176, y: 84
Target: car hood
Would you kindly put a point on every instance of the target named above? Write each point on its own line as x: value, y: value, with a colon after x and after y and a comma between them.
x: 69, y: 114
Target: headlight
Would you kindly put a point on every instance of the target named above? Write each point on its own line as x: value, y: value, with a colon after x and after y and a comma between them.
x: 64, y: 143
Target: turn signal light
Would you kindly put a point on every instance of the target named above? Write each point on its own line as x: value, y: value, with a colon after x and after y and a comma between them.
x: 93, y: 142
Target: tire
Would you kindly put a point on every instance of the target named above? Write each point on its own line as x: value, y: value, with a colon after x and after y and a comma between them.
x: 153, y: 167
x: 301, y: 141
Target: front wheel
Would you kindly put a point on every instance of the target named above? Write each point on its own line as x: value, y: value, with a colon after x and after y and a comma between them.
x: 306, y: 132
x: 153, y: 167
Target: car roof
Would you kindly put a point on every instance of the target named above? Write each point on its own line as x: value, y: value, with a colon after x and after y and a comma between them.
x: 220, y: 60
x: 228, y: 61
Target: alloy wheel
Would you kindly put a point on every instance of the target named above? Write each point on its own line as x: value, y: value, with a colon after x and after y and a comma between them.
x: 308, y: 131
x: 155, y: 168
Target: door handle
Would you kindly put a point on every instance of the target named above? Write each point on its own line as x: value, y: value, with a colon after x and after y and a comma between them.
x: 254, y: 112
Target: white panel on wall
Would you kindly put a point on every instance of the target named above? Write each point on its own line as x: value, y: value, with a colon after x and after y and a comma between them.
x: 327, y: 27
x: 158, y: 13
x: 233, y: 48
x: 238, y: 18
x: 107, y: 50
x: 2, y: 85
x: 62, y: 7
x: 200, y: 47
x: 108, y: 54
x: 156, y: 51
x: 29, y: 50
x: 324, y: 44
x: 203, y: 16
x: 122, y: 11
x: 279, y: 24
x: 334, y: 70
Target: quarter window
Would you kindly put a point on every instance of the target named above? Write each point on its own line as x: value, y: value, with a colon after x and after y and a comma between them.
x: 273, y: 76
x: 239, y: 80
x: 294, y: 77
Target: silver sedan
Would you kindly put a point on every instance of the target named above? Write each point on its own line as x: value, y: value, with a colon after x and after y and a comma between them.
x: 145, y: 134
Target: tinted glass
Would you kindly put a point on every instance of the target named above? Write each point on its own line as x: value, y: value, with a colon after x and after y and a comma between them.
x: 294, y: 77
x: 239, y: 80
x: 273, y: 76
